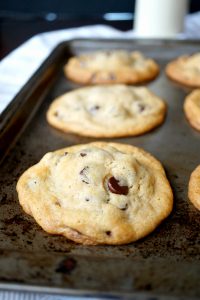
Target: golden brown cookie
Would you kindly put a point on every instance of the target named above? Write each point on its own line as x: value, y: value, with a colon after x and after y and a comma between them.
x: 185, y: 70
x: 192, y: 108
x: 107, y: 111
x: 108, y: 67
x: 194, y: 188
x: 97, y: 193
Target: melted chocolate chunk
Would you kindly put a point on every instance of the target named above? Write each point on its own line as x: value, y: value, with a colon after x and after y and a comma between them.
x: 83, y: 154
x: 115, y: 188
x: 108, y: 232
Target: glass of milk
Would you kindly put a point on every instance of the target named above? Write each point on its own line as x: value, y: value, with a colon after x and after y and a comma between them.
x: 159, y: 18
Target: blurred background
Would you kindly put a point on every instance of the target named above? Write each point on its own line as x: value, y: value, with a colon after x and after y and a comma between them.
x: 21, y: 19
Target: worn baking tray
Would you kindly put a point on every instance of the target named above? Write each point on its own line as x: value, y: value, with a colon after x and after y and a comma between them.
x: 165, y: 263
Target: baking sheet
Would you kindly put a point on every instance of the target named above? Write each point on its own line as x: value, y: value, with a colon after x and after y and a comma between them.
x: 165, y: 263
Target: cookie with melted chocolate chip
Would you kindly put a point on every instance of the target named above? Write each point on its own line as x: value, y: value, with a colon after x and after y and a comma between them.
x: 113, y: 194
x: 107, y: 111
x: 110, y: 67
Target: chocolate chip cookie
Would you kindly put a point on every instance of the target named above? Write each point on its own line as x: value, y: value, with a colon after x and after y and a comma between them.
x: 185, y: 70
x: 192, y: 108
x: 109, y: 67
x: 97, y: 193
x: 194, y: 188
x: 107, y: 111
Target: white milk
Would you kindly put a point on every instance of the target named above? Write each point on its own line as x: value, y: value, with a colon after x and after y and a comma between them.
x: 159, y: 18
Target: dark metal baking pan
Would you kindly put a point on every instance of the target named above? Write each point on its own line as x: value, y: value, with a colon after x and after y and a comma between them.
x: 165, y: 263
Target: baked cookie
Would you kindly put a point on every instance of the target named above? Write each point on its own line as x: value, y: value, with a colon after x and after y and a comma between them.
x: 192, y: 108
x: 97, y: 193
x: 185, y: 70
x: 194, y: 188
x: 115, y: 66
x: 107, y: 111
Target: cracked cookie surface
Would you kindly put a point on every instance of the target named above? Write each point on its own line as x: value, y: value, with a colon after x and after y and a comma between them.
x: 117, y: 66
x: 194, y: 188
x: 192, y: 108
x: 107, y: 111
x: 97, y: 193
x: 185, y: 70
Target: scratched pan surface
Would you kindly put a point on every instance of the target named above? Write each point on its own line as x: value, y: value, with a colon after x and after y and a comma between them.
x: 165, y: 263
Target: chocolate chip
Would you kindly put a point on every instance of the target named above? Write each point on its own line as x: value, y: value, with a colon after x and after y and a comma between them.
x: 141, y: 107
x: 94, y: 109
x: 115, y: 188
x: 55, y: 114
x: 82, y: 172
x: 85, y: 181
x: 87, y: 199
x: 108, y: 232
x: 83, y: 154
x: 85, y: 178
x: 57, y: 203
x: 65, y: 153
